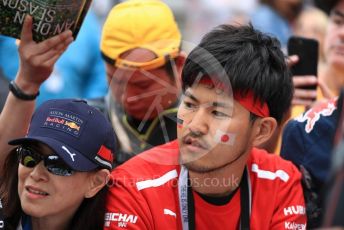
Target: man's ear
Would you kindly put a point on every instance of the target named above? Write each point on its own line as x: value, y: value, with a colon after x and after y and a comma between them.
x: 264, y: 132
x: 179, y: 63
x: 97, y: 181
x: 178, y: 67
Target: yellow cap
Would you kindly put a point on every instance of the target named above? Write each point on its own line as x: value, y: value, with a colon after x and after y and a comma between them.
x: 148, y: 24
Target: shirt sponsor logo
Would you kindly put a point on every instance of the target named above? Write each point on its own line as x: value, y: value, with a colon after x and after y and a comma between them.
x: 169, y: 212
x: 295, y: 210
x: 122, y: 219
x: 294, y: 226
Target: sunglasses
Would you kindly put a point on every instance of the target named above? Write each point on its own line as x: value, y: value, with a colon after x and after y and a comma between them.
x: 53, y: 163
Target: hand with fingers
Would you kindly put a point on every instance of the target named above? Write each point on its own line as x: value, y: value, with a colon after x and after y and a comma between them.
x: 302, y: 96
x: 37, y: 59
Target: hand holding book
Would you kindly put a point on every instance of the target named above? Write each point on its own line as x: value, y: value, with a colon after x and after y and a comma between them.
x: 50, y: 17
x: 37, y: 59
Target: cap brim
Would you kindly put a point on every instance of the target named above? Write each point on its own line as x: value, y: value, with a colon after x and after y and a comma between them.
x: 74, y: 159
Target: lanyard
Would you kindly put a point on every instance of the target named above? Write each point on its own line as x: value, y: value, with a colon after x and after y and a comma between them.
x: 2, y: 219
x: 187, y: 206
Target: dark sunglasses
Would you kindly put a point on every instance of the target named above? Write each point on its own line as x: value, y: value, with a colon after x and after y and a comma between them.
x: 53, y: 163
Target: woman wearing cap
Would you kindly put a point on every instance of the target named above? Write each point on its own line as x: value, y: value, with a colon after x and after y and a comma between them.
x: 55, y: 177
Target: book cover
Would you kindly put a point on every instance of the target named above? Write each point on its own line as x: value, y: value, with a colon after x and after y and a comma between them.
x: 50, y: 17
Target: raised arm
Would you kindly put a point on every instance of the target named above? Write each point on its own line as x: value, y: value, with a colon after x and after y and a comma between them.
x: 36, y: 64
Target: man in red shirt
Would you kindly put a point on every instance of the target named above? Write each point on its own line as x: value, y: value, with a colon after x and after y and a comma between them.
x: 236, y: 89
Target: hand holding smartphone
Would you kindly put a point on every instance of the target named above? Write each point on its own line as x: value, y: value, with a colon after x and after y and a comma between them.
x: 307, y: 51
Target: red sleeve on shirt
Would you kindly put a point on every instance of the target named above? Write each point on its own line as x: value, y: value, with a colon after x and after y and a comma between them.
x: 125, y: 207
x: 290, y: 212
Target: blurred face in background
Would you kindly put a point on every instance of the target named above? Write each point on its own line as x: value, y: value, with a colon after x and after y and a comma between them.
x: 312, y: 23
x: 288, y: 9
x: 142, y: 93
x: 334, y: 40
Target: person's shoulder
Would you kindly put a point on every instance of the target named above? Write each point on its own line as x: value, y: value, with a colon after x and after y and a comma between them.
x: 271, y: 166
x: 152, y: 163
x: 312, y: 131
x: 308, y: 139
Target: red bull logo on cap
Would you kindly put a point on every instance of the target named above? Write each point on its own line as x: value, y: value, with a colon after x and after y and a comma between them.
x: 313, y: 115
x: 64, y: 121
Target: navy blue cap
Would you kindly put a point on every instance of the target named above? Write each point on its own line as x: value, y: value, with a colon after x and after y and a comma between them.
x: 308, y: 139
x: 76, y: 131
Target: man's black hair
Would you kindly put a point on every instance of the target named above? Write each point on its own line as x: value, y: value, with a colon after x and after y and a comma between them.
x: 246, y: 59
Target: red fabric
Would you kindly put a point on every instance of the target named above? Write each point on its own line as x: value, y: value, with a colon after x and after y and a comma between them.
x: 213, y: 217
x: 254, y: 106
x: 105, y: 153
x: 276, y: 204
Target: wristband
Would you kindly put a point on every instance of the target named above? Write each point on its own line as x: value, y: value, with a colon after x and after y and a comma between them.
x: 18, y: 93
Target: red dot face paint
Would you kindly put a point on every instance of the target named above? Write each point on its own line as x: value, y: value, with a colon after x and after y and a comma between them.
x: 225, y: 138
x: 222, y: 137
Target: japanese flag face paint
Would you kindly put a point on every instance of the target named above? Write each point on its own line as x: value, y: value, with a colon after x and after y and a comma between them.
x: 224, y: 138
x: 179, y: 123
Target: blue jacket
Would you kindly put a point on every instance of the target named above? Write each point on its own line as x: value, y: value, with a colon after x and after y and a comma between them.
x: 269, y: 21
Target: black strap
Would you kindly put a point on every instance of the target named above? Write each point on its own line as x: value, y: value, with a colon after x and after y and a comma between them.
x: 191, y: 207
x: 244, y: 203
x: 18, y: 93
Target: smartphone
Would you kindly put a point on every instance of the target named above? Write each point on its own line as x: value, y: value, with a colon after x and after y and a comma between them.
x: 307, y: 49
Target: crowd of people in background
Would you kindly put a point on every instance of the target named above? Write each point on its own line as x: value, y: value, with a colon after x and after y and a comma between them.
x: 174, y: 114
